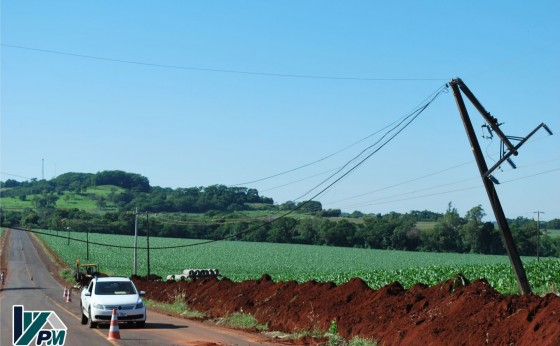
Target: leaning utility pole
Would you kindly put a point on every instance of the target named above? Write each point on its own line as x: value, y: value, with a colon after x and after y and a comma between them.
x: 488, y: 180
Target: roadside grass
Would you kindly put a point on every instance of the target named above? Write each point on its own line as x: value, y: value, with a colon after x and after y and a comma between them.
x: 357, y: 341
x: 336, y: 340
x: 240, y: 320
x: 67, y: 275
x: 178, y: 307
x: 320, y: 336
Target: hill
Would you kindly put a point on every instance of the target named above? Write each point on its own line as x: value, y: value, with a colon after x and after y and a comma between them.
x: 106, y: 202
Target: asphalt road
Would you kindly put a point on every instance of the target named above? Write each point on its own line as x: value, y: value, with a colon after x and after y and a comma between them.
x: 30, y: 284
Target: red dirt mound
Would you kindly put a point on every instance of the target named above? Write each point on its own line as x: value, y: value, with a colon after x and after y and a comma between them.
x: 454, y: 312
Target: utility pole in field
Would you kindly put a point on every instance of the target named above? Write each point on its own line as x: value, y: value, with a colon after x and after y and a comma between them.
x: 148, y: 241
x: 135, y: 271
x: 538, y: 232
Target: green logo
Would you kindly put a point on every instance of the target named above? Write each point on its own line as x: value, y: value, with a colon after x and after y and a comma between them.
x: 29, y: 325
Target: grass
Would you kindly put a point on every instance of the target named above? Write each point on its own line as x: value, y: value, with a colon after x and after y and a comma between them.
x: 240, y: 320
x: 16, y: 203
x: 68, y: 276
x: 178, y: 307
x: 553, y: 233
x: 357, y: 341
x: 84, y: 201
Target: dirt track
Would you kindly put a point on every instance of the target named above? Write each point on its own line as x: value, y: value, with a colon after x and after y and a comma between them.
x: 454, y: 312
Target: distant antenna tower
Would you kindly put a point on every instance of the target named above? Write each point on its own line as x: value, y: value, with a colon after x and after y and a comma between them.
x: 42, y: 169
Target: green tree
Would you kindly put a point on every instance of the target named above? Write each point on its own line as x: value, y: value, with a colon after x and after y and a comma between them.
x: 30, y: 218
x: 282, y: 230
x: 307, y: 231
x: 553, y: 224
x: 525, y: 238
x: 445, y: 235
x: 471, y: 232
x: 45, y: 200
x: 309, y: 207
x: 101, y: 202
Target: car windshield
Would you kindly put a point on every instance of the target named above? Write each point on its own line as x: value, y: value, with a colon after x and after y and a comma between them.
x: 114, y: 287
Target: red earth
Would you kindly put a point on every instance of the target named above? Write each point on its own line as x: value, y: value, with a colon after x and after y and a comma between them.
x: 454, y: 312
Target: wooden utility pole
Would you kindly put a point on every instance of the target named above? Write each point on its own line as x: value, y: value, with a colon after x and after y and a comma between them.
x: 538, y: 232
x: 148, y: 241
x: 135, y: 267
x: 488, y: 180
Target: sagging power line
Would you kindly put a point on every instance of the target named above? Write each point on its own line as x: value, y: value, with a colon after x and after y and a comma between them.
x: 390, y: 134
x: 216, y: 70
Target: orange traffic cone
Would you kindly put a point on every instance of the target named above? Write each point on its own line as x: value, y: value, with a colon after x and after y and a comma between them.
x: 69, y: 296
x: 114, y: 333
x: 65, y: 293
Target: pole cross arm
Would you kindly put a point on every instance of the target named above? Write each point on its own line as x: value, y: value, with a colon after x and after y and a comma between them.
x: 488, y: 180
x: 513, y: 151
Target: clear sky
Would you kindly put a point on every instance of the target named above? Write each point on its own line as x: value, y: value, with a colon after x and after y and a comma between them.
x: 195, y: 93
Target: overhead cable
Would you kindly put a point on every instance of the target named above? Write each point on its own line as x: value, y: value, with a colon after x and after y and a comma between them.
x: 410, y: 118
x: 202, y: 69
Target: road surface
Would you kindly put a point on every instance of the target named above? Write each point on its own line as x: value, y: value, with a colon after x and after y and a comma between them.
x: 29, y: 284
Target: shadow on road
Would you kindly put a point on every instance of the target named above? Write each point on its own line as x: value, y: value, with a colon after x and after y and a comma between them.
x: 148, y: 326
x: 22, y: 288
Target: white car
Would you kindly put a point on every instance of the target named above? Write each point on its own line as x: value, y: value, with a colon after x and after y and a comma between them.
x: 102, y: 295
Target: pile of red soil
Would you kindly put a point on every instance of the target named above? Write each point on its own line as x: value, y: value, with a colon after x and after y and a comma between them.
x: 454, y: 312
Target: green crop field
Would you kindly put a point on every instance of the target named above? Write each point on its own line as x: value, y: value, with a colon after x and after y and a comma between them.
x: 244, y: 260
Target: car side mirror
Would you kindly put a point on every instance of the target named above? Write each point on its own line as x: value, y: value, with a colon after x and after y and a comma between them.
x: 88, y: 294
x: 142, y: 293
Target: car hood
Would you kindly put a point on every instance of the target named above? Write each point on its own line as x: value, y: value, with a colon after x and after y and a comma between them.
x: 117, y: 299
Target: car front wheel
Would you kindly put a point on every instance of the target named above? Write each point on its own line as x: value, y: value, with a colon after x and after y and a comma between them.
x: 91, y: 323
x: 84, y: 319
x: 140, y: 324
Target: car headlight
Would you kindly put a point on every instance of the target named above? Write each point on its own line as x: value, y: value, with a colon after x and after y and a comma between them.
x: 139, y: 305
x: 98, y: 306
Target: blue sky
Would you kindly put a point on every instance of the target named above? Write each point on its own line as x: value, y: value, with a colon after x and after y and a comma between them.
x: 219, y: 92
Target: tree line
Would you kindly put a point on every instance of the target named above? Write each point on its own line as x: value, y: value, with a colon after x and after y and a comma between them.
x: 219, y: 212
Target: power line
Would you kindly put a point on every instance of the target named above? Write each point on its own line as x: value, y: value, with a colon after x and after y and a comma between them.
x: 321, y: 159
x: 201, y: 69
x: 301, y: 205
x: 412, y: 116
x: 299, y: 180
x: 443, y: 192
x: 15, y: 175
x: 403, y: 183
x: 402, y: 119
